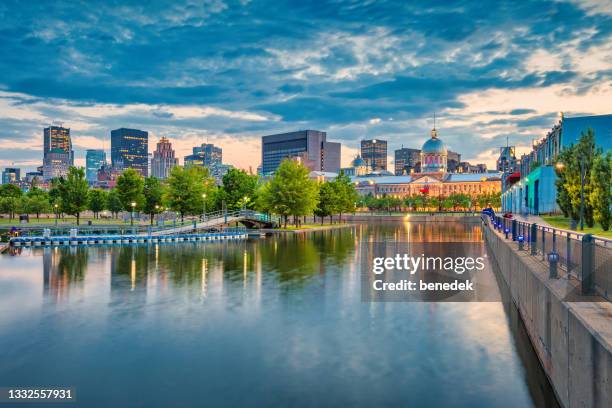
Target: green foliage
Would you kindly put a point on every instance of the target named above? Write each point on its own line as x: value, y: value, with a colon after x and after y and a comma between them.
x: 601, y: 192
x: 346, y: 193
x: 73, y: 192
x: 10, y: 205
x: 238, y: 184
x: 130, y: 190
x: 328, y: 201
x: 153, y: 192
x: 185, y: 189
x: 290, y: 191
x: 97, y: 201
x: 10, y: 190
x: 36, y: 202
x: 113, y: 202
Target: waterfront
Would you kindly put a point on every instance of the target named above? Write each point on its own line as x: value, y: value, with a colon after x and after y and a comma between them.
x: 273, y: 322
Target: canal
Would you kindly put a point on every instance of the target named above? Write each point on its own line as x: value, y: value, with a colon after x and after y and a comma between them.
x: 278, y: 321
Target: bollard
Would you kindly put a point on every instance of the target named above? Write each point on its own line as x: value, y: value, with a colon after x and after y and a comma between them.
x: 514, y: 230
x: 553, y: 260
x: 506, y: 231
x: 521, y: 240
x: 587, y: 264
x: 533, y: 239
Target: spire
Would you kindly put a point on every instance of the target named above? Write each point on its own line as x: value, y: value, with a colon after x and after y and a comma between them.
x: 434, y: 132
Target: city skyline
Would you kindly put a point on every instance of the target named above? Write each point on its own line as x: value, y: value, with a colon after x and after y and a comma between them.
x: 354, y: 71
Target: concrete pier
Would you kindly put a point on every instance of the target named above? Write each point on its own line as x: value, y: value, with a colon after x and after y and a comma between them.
x: 571, y: 333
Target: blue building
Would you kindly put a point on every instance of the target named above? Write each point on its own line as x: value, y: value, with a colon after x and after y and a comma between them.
x: 130, y: 149
x: 206, y: 155
x: 532, y: 189
x: 94, y: 159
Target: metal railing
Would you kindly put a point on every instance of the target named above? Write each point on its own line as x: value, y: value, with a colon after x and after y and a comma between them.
x: 584, y: 257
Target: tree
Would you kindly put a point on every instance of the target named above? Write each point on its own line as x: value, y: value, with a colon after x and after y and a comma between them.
x: 347, y: 195
x: 113, y: 203
x: 238, y: 184
x: 185, y: 189
x: 130, y: 190
x: 601, y: 192
x: 97, y: 201
x: 36, y: 202
x: 328, y: 201
x: 291, y: 191
x: 10, y: 190
x: 73, y: 192
x: 10, y: 205
x: 153, y: 193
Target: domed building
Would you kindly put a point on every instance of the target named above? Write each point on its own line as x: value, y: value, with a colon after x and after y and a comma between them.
x: 360, y: 166
x: 434, y: 155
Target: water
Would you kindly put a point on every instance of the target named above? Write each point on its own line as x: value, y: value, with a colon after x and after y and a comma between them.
x: 271, y: 322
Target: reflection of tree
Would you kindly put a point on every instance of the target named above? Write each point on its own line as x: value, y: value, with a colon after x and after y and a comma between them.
x: 72, y: 263
x: 293, y: 257
x: 63, y: 267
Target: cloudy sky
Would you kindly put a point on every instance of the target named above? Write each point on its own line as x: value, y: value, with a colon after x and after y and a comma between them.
x: 229, y: 72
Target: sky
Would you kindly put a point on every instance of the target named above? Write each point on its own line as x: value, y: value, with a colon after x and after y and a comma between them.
x: 230, y: 72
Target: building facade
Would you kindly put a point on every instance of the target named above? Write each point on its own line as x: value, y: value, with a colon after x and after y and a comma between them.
x: 530, y: 189
x: 11, y: 175
x: 130, y: 150
x: 206, y: 155
x: 311, y: 146
x: 374, y: 152
x: 58, y: 155
x: 434, y: 155
x: 163, y: 159
x: 94, y: 159
x: 406, y: 160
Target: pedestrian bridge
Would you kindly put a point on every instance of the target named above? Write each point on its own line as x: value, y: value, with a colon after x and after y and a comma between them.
x: 216, y: 219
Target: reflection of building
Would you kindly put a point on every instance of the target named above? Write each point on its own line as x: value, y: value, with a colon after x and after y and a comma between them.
x: 531, y: 189
x: 206, y: 155
x: 163, y: 159
x: 406, y: 160
x: 11, y: 175
x: 374, y: 152
x: 57, y: 154
x: 94, y: 159
x: 310, y: 145
x: 131, y: 148
x: 433, y: 179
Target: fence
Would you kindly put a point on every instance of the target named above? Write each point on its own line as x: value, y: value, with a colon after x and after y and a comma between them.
x: 581, y: 256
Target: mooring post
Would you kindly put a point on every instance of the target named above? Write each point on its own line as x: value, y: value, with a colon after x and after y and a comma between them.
x: 533, y: 236
x: 588, y: 277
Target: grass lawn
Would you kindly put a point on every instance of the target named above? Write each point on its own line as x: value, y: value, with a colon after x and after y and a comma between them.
x: 65, y: 221
x: 560, y: 221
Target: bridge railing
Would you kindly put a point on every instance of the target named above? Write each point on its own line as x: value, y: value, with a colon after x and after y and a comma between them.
x: 581, y: 256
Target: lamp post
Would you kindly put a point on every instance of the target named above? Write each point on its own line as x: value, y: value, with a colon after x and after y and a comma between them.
x: 55, y: 206
x: 156, y: 211
x: 244, y: 202
x: 133, y: 204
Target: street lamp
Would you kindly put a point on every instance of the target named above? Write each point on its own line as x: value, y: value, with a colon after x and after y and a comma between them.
x: 56, y: 213
x: 132, y: 213
x: 204, y: 206
x: 156, y: 211
x: 244, y: 202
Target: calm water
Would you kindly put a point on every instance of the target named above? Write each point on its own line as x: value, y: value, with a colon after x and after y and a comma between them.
x: 273, y: 322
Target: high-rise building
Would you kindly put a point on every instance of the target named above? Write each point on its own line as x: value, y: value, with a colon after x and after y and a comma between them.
x: 58, y: 155
x: 130, y: 149
x: 406, y: 160
x: 206, y: 155
x: 374, y: 152
x: 311, y: 146
x: 94, y: 159
x: 11, y: 175
x: 163, y: 159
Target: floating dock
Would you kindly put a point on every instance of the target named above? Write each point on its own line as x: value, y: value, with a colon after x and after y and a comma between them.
x: 84, y: 240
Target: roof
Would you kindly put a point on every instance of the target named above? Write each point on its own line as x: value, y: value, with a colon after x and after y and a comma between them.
x: 466, y: 177
x: 382, y: 179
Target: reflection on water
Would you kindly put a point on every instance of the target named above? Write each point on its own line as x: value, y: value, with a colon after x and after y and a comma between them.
x: 277, y: 321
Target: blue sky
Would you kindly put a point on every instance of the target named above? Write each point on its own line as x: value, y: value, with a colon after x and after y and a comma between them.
x: 230, y: 72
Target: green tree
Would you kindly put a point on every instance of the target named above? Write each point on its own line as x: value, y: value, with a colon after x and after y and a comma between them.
x: 347, y: 195
x: 130, y: 190
x: 153, y: 192
x: 328, y: 201
x: 292, y: 193
x: 37, y: 202
x: 238, y: 184
x: 601, y: 190
x: 185, y: 190
x: 97, y: 201
x: 10, y: 190
x: 73, y: 192
x: 10, y: 205
x: 113, y: 203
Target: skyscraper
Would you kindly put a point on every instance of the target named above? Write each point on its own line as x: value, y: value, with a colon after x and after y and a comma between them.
x: 11, y: 175
x: 310, y: 145
x: 207, y: 155
x: 374, y: 152
x: 58, y: 155
x: 130, y: 149
x: 406, y: 160
x: 94, y: 159
x: 163, y: 159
